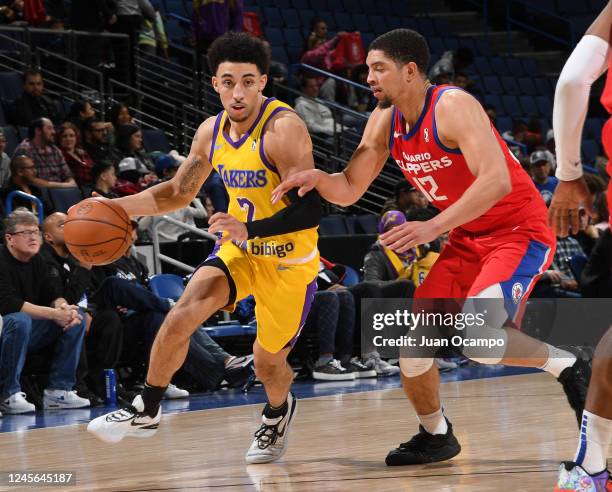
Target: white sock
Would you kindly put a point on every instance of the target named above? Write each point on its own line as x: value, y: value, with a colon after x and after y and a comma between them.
x: 558, y: 360
x: 434, y: 423
x: 594, y: 445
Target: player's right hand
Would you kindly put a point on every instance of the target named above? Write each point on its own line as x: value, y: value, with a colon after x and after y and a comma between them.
x: 304, y: 180
x: 563, y: 213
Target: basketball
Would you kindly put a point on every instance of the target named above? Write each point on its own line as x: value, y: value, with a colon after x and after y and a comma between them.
x: 97, y: 231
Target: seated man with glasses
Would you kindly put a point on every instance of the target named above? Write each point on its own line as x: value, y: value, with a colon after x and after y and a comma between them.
x: 95, y: 142
x: 35, y: 316
x: 23, y: 172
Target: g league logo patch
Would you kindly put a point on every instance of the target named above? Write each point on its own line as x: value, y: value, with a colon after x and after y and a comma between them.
x: 426, y: 135
x: 517, y: 292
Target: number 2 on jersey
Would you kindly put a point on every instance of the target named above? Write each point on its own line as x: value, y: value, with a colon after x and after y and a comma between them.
x: 433, y: 188
x: 248, y: 206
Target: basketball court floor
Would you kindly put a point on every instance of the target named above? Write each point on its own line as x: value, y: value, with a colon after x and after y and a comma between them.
x: 514, y: 426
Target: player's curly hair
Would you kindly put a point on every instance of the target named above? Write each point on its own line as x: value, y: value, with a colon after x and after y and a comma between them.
x: 403, y: 46
x: 239, y: 47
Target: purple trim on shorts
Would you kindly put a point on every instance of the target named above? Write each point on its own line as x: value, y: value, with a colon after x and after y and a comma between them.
x: 308, y: 298
x: 238, y: 143
x: 262, y: 154
x: 214, y: 137
x: 213, y: 253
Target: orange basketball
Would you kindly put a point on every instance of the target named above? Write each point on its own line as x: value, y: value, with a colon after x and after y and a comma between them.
x: 97, y: 231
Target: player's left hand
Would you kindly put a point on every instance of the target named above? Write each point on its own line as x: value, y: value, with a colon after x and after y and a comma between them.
x: 230, y: 226
x: 409, y: 235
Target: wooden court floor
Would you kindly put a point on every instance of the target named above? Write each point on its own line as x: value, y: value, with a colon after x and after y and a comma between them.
x: 514, y: 431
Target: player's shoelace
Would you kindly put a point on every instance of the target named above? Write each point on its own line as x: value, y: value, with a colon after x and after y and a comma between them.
x: 122, y: 414
x: 266, y: 435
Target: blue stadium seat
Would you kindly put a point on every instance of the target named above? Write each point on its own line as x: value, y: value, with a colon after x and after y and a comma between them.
x: 426, y: 27
x: 281, y: 4
x: 279, y: 54
x: 362, y: 23
x: 590, y: 149
x: 530, y: 67
x: 450, y: 43
x: 2, y: 116
x: 291, y: 18
x: 306, y: 15
x: 483, y: 66
x: 368, y: 223
x: 544, y: 105
x: 167, y: 285
x: 367, y: 38
x: 12, y: 140
x: 529, y: 106
x: 515, y: 67
x: 495, y: 101
x: 511, y: 105
x: 344, y: 21
x: 379, y: 26
x: 597, y: 5
x: 333, y: 225
x: 369, y: 7
x: 394, y: 22
x: 22, y: 132
x: 319, y: 5
x: 273, y: 17
x: 335, y: 6
x: 275, y: 36
x: 64, y: 198
x: 230, y: 330
x: 542, y: 86
x: 482, y: 47
x: 300, y: 4
x: 592, y: 129
x: 436, y: 45
x: 294, y: 53
x: 498, y: 65
x: 293, y: 37
x: 351, y: 276
x: 503, y: 124
x: 572, y: 7
x: 510, y: 86
x: 492, y: 85
x: 175, y: 30
x: 527, y: 86
x: 155, y: 140
x: 11, y: 85
x: 352, y: 6
x: 329, y: 18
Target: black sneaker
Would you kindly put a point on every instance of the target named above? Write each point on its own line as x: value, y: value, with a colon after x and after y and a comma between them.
x: 359, y: 369
x: 575, y: 382
x: 425, y: 448
x: 333, y: 371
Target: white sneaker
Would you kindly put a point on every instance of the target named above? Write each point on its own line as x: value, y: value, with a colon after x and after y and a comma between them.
x: 271, y: 439
x: 63, y: 399
x: 382, y: 367
x: 17, y: 403
x: 128, y: 421
x: 172, y: 392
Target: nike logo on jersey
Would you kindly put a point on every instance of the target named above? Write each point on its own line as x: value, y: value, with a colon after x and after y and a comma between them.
x: 397, y: 134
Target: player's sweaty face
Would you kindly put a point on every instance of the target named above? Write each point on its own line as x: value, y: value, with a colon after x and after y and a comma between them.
x: 239, y: 86
x: 384, y: 77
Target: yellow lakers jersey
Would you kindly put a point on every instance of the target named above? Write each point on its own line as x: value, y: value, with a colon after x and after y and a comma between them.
x: 249, y: 179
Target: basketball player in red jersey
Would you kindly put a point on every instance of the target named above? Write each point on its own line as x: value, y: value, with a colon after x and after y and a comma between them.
x: 499, y: 241
x: 589, y: 60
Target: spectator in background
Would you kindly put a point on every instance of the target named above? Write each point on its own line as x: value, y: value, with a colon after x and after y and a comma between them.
x: 318, y: 118
x: 104, y: 332
x: 12, y: 12
x: 53, y: 172
x: 318, y: 48
x: 95, y: 142
x: 211, y: 19
x: 78, y: 160
x: 35, y: 316
x: 463, y: 80
x: 33, y: 103
x: 601, y: 219
x: 104, y: 177
x: 80, y: 111
x: 559, y: 280
x: 5, y: 162
x: 405, y: 198
x: 451, y: 63
x: 596, y: 278
x: 23, y: 175
x: 133, y: 177
x: 128, y: 140
x: 152, y: 38
x: 166, y: 167
x: 541, y: 162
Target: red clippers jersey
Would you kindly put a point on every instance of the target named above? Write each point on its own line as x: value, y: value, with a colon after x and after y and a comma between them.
x: 606, y: 101
x: 443, y: 176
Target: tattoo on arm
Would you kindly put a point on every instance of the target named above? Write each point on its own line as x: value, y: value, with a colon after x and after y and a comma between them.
x: 189, y: 182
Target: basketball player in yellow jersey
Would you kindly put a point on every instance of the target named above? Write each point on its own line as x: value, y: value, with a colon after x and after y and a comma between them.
x: 266, y: 250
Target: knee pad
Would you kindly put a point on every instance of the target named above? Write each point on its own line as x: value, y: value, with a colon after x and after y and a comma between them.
x: 412, y: 368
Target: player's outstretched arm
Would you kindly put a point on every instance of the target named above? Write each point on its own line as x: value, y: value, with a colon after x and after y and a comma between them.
x: 178, y: 192
x: 346, y: 187
x: 587, y: 63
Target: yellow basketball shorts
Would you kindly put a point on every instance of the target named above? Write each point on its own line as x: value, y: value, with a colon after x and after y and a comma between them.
x: 283, y: 293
